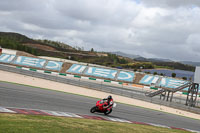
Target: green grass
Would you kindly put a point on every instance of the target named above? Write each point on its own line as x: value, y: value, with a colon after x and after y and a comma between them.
x: 163, y: 67
x: 18, y: 123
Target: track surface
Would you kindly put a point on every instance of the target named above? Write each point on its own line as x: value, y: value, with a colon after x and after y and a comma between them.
x: 12, y: 95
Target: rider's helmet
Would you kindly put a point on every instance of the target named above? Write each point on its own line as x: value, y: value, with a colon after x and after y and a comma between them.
x: 109, y: 97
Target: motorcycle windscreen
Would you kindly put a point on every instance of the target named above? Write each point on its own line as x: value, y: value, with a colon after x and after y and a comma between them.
x: 114, y: 105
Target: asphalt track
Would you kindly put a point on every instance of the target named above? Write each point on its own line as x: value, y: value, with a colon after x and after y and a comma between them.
x: 12, y: 95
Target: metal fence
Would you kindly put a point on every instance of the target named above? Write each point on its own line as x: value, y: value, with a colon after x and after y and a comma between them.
x: 131, y: 92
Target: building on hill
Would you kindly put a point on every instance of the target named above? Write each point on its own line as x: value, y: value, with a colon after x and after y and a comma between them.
x: 8, y: 51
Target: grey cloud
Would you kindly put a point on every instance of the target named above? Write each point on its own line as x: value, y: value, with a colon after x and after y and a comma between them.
x: 99, y: 12
x: 167, y: 29
x: 171, y: 3
x: 23, y: 5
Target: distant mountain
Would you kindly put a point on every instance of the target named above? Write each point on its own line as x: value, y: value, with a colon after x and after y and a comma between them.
x: 159, y: 60
x: 191, y: 63
x: 162, y: 63
x: 152, y: 59
x: 132, y: 56
x: 140, y: 58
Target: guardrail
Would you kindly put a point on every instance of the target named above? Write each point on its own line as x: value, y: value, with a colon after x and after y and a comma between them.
x: 90, y: 83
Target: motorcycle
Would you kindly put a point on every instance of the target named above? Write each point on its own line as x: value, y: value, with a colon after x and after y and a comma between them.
x: 100, y: 107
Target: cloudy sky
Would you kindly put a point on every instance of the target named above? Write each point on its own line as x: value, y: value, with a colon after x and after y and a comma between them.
x: 150, y: 28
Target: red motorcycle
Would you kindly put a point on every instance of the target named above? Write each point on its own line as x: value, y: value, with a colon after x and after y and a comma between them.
x: 100, y: 107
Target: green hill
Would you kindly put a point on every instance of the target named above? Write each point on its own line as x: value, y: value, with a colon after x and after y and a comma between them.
x: 57, y: 49
x: 61, y: 50
x: 19, y: 42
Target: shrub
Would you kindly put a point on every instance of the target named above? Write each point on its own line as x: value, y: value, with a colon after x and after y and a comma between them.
x: 173, y: 75
x: 185, y: 78
x: 155, y: 73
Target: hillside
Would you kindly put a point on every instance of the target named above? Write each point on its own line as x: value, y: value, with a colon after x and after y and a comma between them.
x: 150, y: 63
x: 57, y: 49
x: 37, y: 47
x: 61, y: 50
x: 19, y: 41
x: 132, y: 56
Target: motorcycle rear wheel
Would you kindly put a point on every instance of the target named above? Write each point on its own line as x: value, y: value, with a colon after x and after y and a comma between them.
x: 93, y: 109
x: 108, y: 112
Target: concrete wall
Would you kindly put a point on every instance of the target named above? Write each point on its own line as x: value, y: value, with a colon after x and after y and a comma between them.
x: 9, y: 51
x: 197, y: 75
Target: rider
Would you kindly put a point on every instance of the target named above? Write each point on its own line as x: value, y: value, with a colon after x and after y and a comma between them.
x: 109, y: 102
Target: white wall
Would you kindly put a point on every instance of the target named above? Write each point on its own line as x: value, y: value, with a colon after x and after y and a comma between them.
x: 197, y: 75
x: 9, y: 51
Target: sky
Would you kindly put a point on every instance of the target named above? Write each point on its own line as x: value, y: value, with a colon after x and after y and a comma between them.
x: 167, y: 29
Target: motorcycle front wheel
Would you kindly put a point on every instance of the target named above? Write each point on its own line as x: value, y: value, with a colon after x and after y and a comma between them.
x: 108, y: 112
x: 93, y: 109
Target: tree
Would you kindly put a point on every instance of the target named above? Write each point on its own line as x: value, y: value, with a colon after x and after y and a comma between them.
x: 155, y: 73
x: 147, y: 72
x: 185, y: 78
x: 115, y: 61
x: 123, y: 61
x: 92, y: 50
x: 173, y: 75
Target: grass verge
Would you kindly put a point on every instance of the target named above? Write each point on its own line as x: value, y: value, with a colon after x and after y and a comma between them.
x: 18, y: 123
